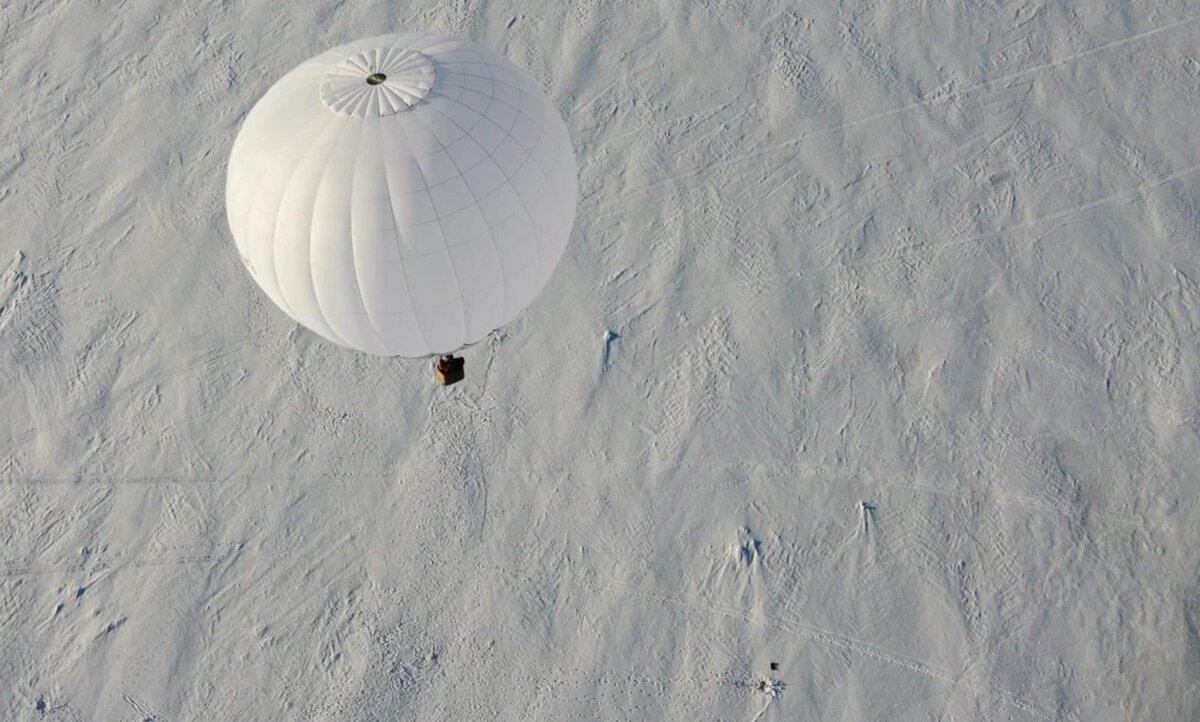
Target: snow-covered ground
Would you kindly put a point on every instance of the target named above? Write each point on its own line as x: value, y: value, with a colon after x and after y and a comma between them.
x: 874, y: 358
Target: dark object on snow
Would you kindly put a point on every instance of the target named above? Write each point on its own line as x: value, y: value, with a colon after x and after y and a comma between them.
x: 774, y: 666
x: 449, y: 369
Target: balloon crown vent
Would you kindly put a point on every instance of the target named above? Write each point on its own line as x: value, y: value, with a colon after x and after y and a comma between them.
x: 378, y: 82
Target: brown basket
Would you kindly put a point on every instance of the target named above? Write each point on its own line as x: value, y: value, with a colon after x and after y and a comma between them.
x: 450, y: 370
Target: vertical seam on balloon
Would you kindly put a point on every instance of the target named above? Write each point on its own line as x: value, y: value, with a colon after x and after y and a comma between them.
x: 491, y: 236
x: 548, y: 185
x: 275, y: 228
x: 537, y: 246
x: 528, y: 159
x: 311, y: 277
x: 521, y: 200
x: 517, y: 87
x: 286, y: 187
x: 255, y: 191
x: 474, y: 198
x: 462, y: 307
x: 387, y: 177
x: 507, y: 132
x: 362, y: 299
x: 507, y: 178
x: 488, y: 230
x: 529, y: 155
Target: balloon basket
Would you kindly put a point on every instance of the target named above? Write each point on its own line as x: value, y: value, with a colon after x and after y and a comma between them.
x: 450, y: 370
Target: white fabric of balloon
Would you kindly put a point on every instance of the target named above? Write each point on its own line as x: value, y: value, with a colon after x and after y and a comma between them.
x: 403, y: 195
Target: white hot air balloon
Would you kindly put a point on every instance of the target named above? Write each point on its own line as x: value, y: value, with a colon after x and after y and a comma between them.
x: 403, y: 195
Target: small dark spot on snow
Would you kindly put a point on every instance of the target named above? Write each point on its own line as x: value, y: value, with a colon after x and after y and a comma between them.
x: 40, y: 705
x: 79, y: 592
x: 774, y: 666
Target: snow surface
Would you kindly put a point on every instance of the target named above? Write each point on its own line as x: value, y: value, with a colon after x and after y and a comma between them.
x: 874, y: 357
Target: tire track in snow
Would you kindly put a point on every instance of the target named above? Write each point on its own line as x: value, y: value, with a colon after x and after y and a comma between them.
x: 1046, y: 507
x: 1018, y: 75
x: 933, y: 99
x: 17, y: 569
x: 696, y: 604
x: 898, y: 254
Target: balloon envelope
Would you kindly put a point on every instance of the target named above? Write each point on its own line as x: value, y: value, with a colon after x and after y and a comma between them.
x: 404, y: 194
